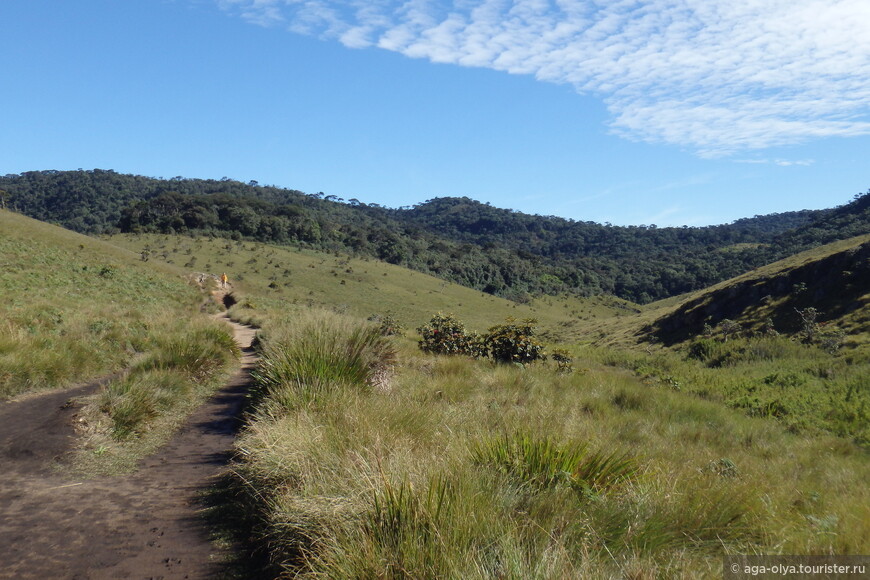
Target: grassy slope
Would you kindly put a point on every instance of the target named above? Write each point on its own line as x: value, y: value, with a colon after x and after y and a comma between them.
x: 347, y: 481
x: 321, y: 466
x: 834, y: 279
x: 808, y: 384
x: 804, y: 387
x: 404, y: 480
x: 75, y: 308
x: 716, y: 302
x: 361, y: 287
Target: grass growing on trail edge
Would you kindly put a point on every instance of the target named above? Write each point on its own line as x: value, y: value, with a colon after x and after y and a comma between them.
x: 136, y: 413
x: 468, y: 469
x: 321, y: 351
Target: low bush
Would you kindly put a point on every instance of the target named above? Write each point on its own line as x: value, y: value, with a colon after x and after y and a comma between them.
x: 513, y: 342
x: 444, y: 334
x: 387, y: 324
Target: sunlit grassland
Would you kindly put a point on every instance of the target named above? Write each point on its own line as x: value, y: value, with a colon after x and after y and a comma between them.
x: 275, y: 278
x: 140, y: 410
x: 74, y: 308
x: 367, y: 458
x: 803, y: 387
x: 457, y: 468
x: 806, y: 385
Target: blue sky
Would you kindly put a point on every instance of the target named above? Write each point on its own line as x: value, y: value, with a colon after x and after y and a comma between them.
x: 667, y: 112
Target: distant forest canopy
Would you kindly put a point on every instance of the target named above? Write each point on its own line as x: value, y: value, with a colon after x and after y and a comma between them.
x: 494, y: 250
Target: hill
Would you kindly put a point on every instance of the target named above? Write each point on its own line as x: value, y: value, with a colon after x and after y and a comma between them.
x: 493, y: 250
x: 833, y: 281
x: 279, y: 278
x: 790, y: 341
x: 130, y: 336
x: 74, y: 307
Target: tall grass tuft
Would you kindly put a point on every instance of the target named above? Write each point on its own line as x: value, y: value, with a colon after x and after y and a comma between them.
x: 701, y: 520
x: 405, y: 532
x: 399, y: 516
x: 320, y: 352
x: 167, y: 377
x: 198, y: 353
x: 540, y: 462
x: 139, y: 398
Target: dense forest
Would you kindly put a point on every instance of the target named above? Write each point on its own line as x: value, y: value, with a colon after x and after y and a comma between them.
x: 498, y: 251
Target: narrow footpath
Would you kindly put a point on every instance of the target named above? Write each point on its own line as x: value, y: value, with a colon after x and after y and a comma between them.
x: 141, y: 526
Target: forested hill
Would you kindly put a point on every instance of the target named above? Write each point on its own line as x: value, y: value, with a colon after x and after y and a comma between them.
x: 494, y: 250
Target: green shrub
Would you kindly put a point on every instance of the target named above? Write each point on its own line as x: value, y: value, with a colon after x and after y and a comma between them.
x: 444, y: 334
x: 702, y: 349
x: 513, y: 342
x: 387, y: 324
x: 564, y: 361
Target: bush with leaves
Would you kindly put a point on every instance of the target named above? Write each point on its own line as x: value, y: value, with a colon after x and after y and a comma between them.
x: 387, y: 324
x: 563, y: 360
x: 514, y: 342
x: 444, y: 334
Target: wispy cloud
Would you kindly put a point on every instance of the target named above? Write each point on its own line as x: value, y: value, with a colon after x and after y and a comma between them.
x: 780, y: 162
x: 715, y: 76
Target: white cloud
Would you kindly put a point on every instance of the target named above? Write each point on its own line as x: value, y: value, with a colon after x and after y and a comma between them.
x: 779, y: 162
x: 716, y: 76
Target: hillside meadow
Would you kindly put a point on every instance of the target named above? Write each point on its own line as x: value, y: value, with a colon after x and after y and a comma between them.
x: 76, y: 309
x: 364, y: 457
x: 275, y: 278
x: 750, y: 343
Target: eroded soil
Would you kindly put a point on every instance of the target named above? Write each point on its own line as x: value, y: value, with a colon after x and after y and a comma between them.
x: 144, y: 525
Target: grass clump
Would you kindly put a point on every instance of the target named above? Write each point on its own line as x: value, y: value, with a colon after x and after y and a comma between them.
x: 197, y: 354
x: 179, y: 370
x: 137, y: 412
x: 321, y: 352
x: 140, y: 398
x: 540, y: 462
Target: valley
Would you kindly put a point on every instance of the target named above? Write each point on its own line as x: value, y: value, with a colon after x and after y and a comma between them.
x: 638, y: 440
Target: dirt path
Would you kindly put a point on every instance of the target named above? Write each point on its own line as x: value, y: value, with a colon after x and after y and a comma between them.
x: 144, y: 525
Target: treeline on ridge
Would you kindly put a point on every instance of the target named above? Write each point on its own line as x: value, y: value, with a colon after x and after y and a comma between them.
x: 494, y: 250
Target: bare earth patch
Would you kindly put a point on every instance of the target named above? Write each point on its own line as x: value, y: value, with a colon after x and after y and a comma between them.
x: 144, y: 525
